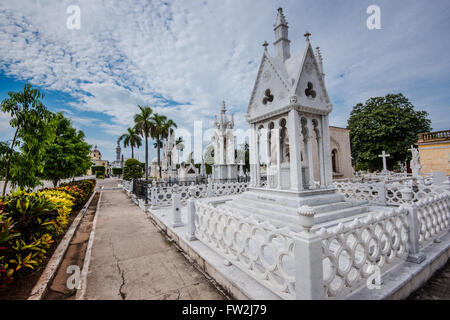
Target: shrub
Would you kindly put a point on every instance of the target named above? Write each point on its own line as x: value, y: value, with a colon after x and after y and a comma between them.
x: 97, y: 169
x: 117, y: 171
x: 30, y: 221
x: 87, y: 186
x: 132, y: 162
x: 76, y: 193
x: 99, y: 175
x: 132, y: 170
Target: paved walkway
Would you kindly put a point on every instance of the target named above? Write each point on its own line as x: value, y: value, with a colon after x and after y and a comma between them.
x: 131, y: 259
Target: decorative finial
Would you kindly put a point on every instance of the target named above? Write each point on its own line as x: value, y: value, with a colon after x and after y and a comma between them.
x: 265, y: 45
x: 280, y: 10
x: 307, y: 35
x: 319, y: 55
x: 223, y: 106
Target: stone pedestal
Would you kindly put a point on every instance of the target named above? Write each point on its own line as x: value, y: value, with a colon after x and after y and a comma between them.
x: 225, y: 172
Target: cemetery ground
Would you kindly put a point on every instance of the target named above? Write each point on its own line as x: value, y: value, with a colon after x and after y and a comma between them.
x: 131, y: 259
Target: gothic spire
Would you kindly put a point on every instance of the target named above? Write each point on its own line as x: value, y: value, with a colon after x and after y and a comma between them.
x: 282, y: 42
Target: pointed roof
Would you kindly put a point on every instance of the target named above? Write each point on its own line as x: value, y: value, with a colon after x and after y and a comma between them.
x: 281, y: 19
x: 289, y: 72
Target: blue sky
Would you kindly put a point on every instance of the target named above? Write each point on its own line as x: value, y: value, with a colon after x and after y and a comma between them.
x: 184, y: 57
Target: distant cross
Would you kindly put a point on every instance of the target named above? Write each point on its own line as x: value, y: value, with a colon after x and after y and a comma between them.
x: 384, y: 156
x: 307, y: 35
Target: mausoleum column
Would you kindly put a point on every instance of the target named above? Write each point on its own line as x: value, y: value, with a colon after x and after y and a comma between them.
x: 278, y: 145
x: 295, y: 162
x: 257, y: 156
x: 309, y: 151
x: 268, y: 137
x: 252, y: 155
x: 320, y: 152
x: 328, y: 173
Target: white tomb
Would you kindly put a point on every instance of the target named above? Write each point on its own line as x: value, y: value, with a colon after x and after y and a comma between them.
x: 169, y: 157
x: 288, y: 109
x: 187, y: 172
x: 225, y: 167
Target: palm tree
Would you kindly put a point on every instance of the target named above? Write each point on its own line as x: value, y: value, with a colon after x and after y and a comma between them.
x: 132, y: 139
x: 143, y: 125
x: 160, y: 130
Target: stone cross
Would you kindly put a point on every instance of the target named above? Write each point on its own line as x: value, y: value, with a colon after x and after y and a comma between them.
x: 384, y: 156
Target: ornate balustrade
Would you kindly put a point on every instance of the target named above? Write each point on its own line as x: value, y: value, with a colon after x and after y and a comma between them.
x: 371, y: 192
x: 161, y: 196
x: 420, y: 191
x: 258, y: 248
x: 386, y: 193
x: 287, y: 263
x: 433, y: 216
x: 434, y: 136
x: 351, y: 252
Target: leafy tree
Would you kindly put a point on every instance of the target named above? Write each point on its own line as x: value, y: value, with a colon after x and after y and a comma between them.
x: 68, y: 155
x: 5, y: 153
x: 34, y: 130
x: 143, y: 125
x: 132, y: 139
x: 384, y: 123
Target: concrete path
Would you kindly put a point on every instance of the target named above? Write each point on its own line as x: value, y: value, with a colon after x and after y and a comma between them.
x: 131, y: 259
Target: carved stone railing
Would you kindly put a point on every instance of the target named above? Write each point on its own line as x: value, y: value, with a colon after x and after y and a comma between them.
x: 352, y: 251
x: 162, y: 196
x: 372, y: 192
x: 258, y: 248
x: 434, y: 136
x: 387, y: 193
x: 420, y: 191
x: 327, y: 263
x: 434, y: 217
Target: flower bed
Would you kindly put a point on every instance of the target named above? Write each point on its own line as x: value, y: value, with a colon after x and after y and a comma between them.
x: 31, y: 224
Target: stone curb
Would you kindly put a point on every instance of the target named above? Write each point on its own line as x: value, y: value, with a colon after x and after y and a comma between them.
x: 87, y: 257
x: 41, y: 287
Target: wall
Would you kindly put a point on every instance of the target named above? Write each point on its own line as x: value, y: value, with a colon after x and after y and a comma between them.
x: 340, y: 140
x: 435, y: 156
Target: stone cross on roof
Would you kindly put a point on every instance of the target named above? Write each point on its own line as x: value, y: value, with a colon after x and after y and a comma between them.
x: 307, y: 35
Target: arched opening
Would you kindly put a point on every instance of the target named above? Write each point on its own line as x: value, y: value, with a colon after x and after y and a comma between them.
x: 334, y: 160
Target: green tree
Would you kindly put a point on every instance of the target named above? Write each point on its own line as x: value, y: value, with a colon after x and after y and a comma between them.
x: 132, y: 170
x: 132, y: 139
x: 143, y: 125
x: 33, y: 130
x: 384, y: 123
x: 68, y: 155
x: 161, y: 127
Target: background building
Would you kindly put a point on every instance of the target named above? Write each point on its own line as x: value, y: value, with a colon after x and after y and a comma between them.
x: 96, y: 159
x: 434, y: 151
